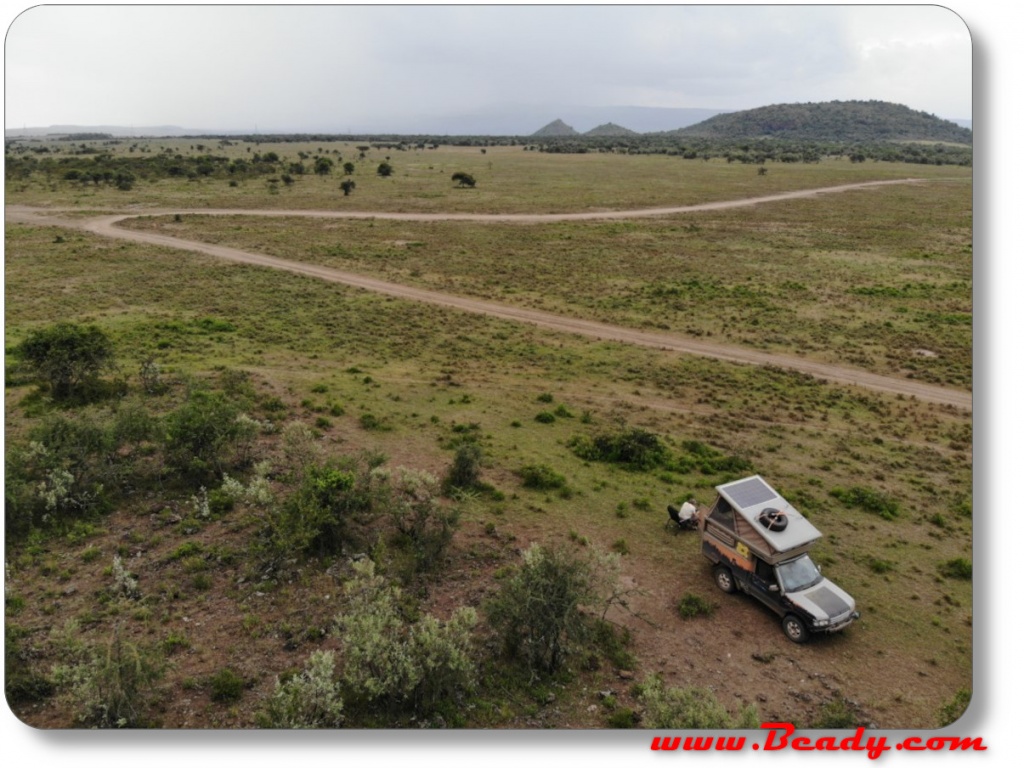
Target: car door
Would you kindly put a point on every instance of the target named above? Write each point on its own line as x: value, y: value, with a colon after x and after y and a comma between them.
x: 761, y: 582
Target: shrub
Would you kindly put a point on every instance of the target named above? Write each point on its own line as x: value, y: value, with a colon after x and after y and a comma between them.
x: 537, y: 611
x: 313, y: 518
x: 688, y: 708
x: 707, y: 460
x: 869, y: 500
x: 691, y: 606
x: 423, y: 525
x: 545, y: 417
x: 372, y: 423
x: 310, y: 699
x: 836, y: 714
x: 541, y: 477
x: 69, y: 357
x: 622, y: 718
x: 200, y: 432
x: 301, y: 447
x: 226, y: 686
x: 125, y: 585
x: 392, y: 664
x: 465, y: 469
x: 112, y: 687
x: 957, y: 568
x: 322, y: 514
x: 635, y: 447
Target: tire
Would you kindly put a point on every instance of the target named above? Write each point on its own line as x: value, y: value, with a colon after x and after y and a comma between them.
x: 724, y: 579
x: 773, y: 520
x: 795, y: 629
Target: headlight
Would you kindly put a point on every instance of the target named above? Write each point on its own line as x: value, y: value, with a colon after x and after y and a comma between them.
x: 821, y: 622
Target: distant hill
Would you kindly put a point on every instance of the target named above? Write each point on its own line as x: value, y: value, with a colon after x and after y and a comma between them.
x: 610, y: 129
x: 556, y: 128
x: 111, y: 130
x: 860, y: 121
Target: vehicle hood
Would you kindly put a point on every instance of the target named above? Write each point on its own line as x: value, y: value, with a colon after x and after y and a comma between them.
x: 824, y: 601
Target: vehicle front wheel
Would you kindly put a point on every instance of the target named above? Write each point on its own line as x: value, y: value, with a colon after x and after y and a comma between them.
x: 795, y: 629
x: 724, y: 579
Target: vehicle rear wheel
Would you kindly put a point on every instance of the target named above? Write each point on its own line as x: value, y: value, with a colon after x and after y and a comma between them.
x: 795, y: 629
x: 724, y: 579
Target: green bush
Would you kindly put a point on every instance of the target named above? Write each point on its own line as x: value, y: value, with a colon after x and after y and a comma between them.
x: 393, y: 664
x: 869, y: 500
x: 200, y: 433
x: 622, y: 718
x: 538, y: 610
x: 465, y: 469
x: 112, y: 687
x: 635, y: 447
x: 545, y: 417
x: 688, y: 709
x: 541, y: 477
x: 424, y: 526
x: 226, y: 686
x: 692, y: 606
x: 310, y: 699
x: 313, y: 519
x: 69, y: 357
x: 836, y: 714
x: 957, y: 568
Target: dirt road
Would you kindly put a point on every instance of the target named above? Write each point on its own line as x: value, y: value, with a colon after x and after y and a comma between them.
x: 106, y: 226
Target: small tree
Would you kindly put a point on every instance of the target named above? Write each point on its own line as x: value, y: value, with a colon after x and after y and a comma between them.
x: 465, y: 469
x: 68, y: 356
x: 537, y: 612
x: 322, y: 166
x: 349, y: 168
x: 347, y: 186
x: 463, y: 179
x: 384, y: 170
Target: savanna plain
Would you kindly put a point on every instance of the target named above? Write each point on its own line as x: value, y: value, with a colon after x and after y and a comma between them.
x: 287, y: 502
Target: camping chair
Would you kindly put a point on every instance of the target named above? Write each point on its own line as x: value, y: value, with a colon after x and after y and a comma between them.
x: 677, y: 523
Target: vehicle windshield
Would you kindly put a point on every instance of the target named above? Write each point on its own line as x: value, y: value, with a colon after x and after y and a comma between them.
x: 798, y: 574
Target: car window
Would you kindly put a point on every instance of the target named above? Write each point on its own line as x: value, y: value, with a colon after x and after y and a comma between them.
x: 799, y: 574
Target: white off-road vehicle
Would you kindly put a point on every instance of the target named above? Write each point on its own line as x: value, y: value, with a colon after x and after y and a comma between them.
x: 759, y: 544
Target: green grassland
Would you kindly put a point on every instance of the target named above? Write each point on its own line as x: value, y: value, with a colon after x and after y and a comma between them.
x: 509, y: 179
x: 864, y: 278
x: 869, y: 283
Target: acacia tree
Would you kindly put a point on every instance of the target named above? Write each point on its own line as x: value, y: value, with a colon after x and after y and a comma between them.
x: 384, y: 170
x: 464, y: 179
x: 68, y: 356
x: 322, y: 166
x: 347, y: 186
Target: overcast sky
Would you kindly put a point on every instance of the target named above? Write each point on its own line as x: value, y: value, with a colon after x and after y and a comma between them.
x: 372, y: 68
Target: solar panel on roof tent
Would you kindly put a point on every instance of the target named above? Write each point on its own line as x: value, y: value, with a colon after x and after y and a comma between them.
x: 750, y: 492
x: 752, y: 496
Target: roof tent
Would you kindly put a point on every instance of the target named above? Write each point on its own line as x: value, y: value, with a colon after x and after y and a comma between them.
x: 770, y: 515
